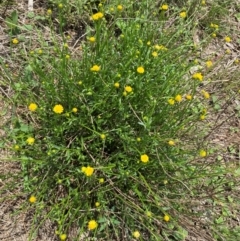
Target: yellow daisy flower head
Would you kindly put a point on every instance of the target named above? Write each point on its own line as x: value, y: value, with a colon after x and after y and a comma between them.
x: 97, y: 16
x: 198, y: 76
x: 116, y: 85
x: 202, y: 153
x: 30, y: 140
x: 202, y: 117
x: 140, y: 70
x: 227, y: 39
x: 97, y: 204
x: 144, y: 158
x: 58, y: 109
x: 15, y: 41
x: 32, y: 107
x: 32, y: 199
x: 209, y: 64
x: 128, y: 89
x: 214, y: 35
x: 63, y: 237
x: 188, y: 97
x: 171, y: 101
x: 74, y: 110
x: 166, y: 218
x: 154, y: 54
x: 95, y: 68
x: 178, y: 98
x: 183, y: 14
x: 136, y: 234
x: 92, y: 224
x: 119, y: 7
x: 89, y: 171
x: 164, y: 7
x: 49, y: 12
x: 171, y: 143
x: 92, y: 39
x: 205, y: 94
x: 103, y: 136
x: 101, y: 180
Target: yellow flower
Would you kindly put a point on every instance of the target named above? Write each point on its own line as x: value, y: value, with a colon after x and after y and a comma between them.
x: 40, y: 51
x: 202, y: 117
x: 212, y: 25
x: 15, y: 41
x: 154, y: 54
x: 124, y: 93
x: 188, y: 97
x: 116, y: 85
x: 30, y: 140
x: 209, y: 64
x: 148, y: 43
x: 128, y: 89
x: 16, y: 147
x: 214, y: 35
x: 75, y: 110
x: 97, y: 16
x: 88, y: 171
x: 103, y: 136
x: 160, y: 47
x: 144, y: 158
x: 97, y: 204
x: 49, y: 12
x: 149, y: 214
x: 60, y: 5
x: 183, y: 14
x: 138, y: 139
x: 164, y: 7
x: 203, y: 2
x: 32, y: 107
x: 80, y: 82
x: 136, y: 234
x: 205, y: 94
x: 228, y: 51
x: 198, y: 76
x: 171, y: 101
x: 32, y: 199
x: 119, y: 7
x: 101, y: 180
x: 58, y: 109
x: 95, y: 68
x: 67, y: 56
x: 166, y: 218
x: 203, y: 153
x: 178, y: 98
x: 63, y: 237
x: 92, y: 224
x: 140, y: 70
x: 171, y: 143
x: 92, y: 39
x: 227, y: 39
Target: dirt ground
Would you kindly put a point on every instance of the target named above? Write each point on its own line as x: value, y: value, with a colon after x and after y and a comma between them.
x: 225, y: 135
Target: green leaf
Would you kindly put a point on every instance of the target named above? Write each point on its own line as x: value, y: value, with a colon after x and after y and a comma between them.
x: 27, y: 27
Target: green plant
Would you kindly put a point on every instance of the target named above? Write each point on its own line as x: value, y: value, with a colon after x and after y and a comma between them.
x: 107, y: 140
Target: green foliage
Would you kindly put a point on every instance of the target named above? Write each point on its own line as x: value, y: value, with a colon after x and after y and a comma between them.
x: 108, y: 131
